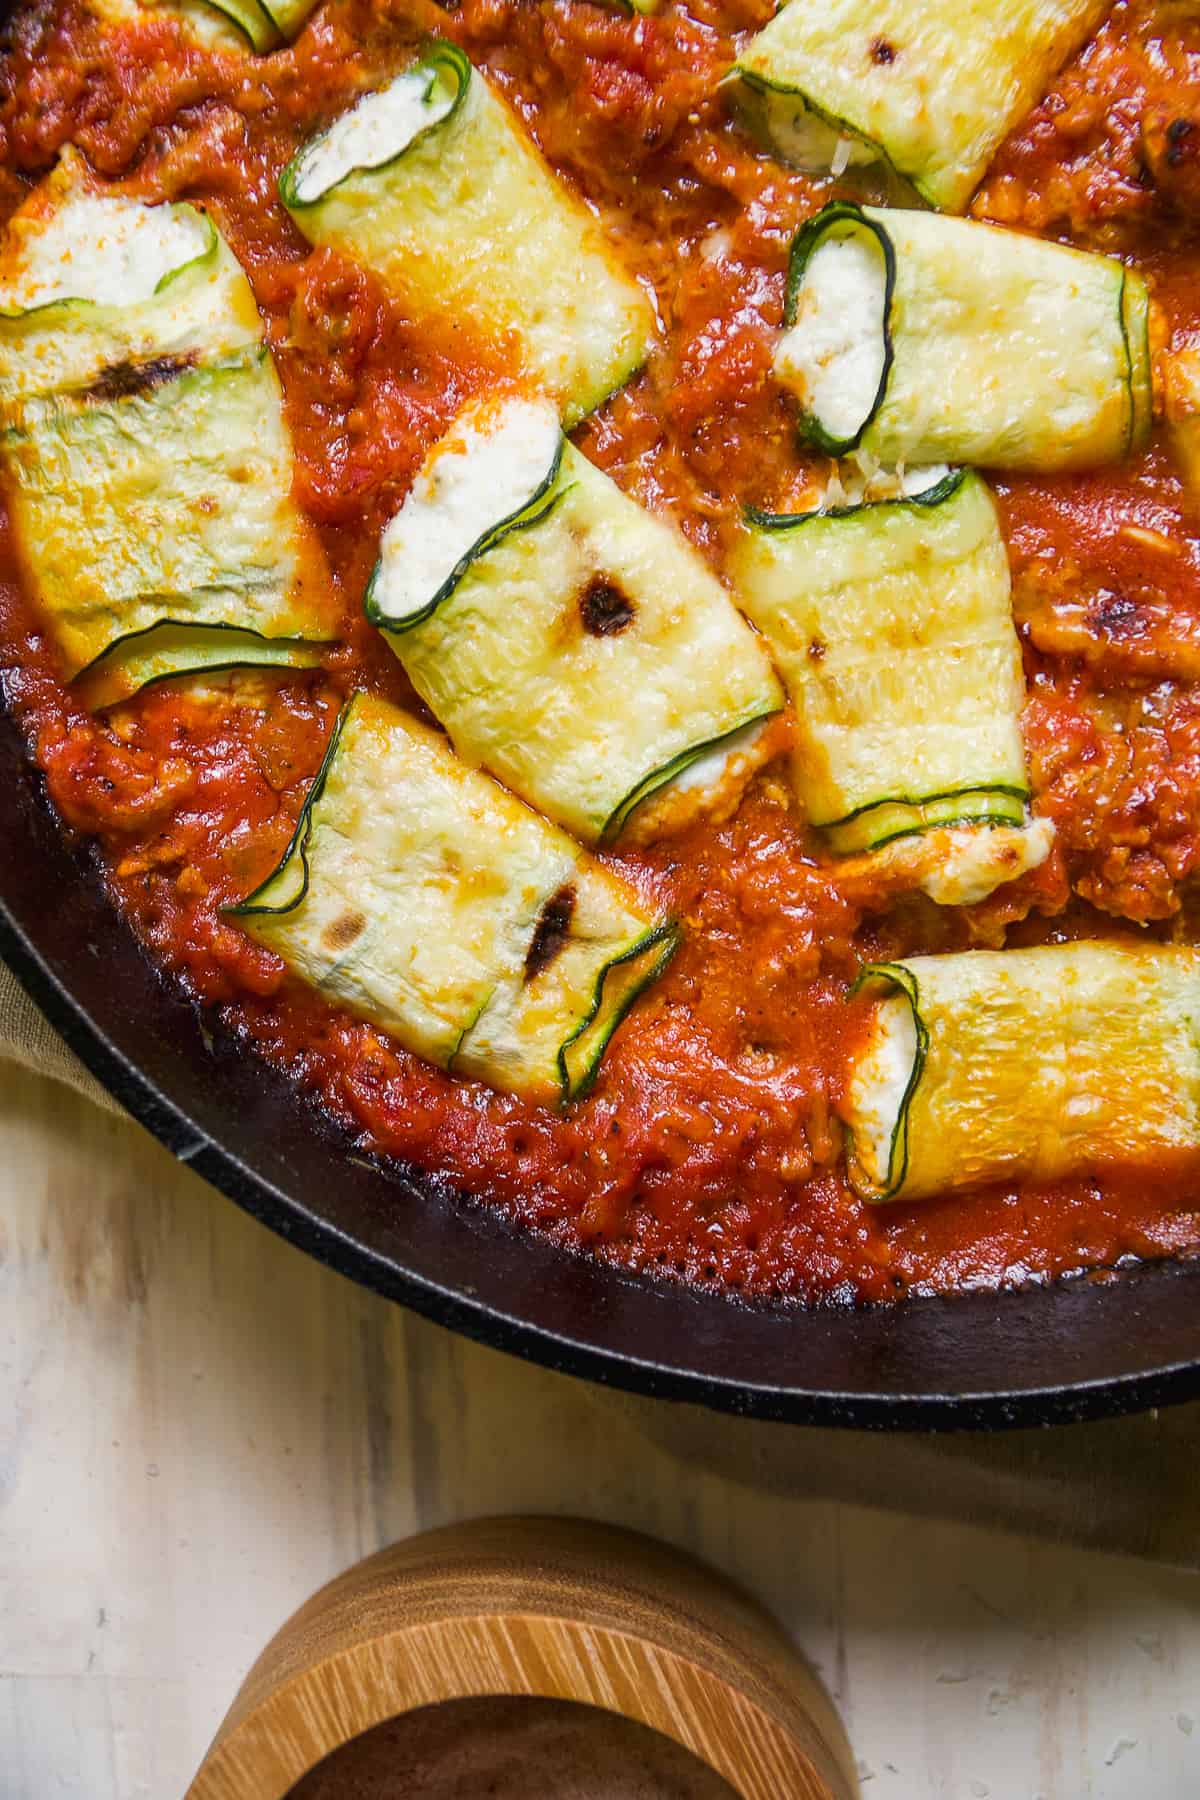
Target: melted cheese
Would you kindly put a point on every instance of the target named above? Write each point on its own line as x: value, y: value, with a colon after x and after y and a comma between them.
x: 963, y: 864
x: 804, y: 139
x: 1034, y: 1065
x: 833, y: 356
x: 879, y: 1083
x: 710, y: 787
x: 102, y: 248
x: 487, y: 469
x: 373, y: 132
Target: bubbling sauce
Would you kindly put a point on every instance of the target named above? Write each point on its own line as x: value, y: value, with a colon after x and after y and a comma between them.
x: 709, y: 1149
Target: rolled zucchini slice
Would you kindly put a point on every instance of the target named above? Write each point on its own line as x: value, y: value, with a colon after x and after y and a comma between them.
x: 264, y: 25
x: 923, y: 339
x: 932, y: 91
x: 144, y: 453
x: 424, y: 897
x: 1023, y: 1065
x: 569, y: 641
x: 891, y: 624
x: 432, y: 184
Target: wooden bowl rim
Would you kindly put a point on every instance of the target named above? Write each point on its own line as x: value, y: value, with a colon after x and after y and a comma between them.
x: 546, y: 1608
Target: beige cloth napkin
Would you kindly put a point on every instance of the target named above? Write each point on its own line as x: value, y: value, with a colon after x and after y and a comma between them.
x: 1123, y: 1484
x: 26, y: 1037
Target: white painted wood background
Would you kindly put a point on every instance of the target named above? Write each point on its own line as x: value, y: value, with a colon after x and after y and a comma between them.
x: 198, y: 1426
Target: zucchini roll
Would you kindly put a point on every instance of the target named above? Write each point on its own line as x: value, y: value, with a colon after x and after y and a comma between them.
x: 569, y: 641
x: 432, y: 184
x: 222, y: 24
x: 425, y: 898
x: 931, y: 90
x: 891, y: 625
x: 146, y: 461
x: 923, y: 339
x: 1023, y: 1065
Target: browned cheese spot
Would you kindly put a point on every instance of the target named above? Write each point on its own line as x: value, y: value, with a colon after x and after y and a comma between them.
x: 817, y: 650
x: 604, y: 609
x: 882, y: 51
x: 551, y: 932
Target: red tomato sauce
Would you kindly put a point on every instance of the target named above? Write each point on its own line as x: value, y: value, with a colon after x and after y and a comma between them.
x: 710, y: 1147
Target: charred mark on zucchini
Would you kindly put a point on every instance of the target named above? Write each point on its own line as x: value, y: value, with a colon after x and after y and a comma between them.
x: 604, y: 609
x: 125, y: 380
x: 342, y: 931
x: 551, y: 932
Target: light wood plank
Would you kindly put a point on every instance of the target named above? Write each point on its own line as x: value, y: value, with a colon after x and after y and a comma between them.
x: 198, y: 1427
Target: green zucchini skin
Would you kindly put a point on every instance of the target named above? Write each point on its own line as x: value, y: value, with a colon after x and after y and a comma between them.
x: 153, y: 430
x: 423, y: 914
x: 929, y: 94
x: 834, y: 594
x: 289, y: 17
x: 221, y: 24
x: 517, y: 257
x: 1019, y: 1065
x: 254, y: 21
x: 440, y: 60
x: 547, y: 494
x: 1040, y: 389
x: 289, y: 881
x: 886, y: 978
x: 1043, y: 388
x: 844, y: 215
x: 586, y: 718
x: 1008, y: 393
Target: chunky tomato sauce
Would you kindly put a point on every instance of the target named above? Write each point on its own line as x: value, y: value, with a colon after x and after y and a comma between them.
x: 710, y: 1147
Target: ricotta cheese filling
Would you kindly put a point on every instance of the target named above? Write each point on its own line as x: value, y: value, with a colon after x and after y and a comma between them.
x: 806, y: 140
x: 710, y: 767
x: 488, y: 468
x: 104, y: 248
x: 833, y: 355
x: 862, y: 482
x: 711, y: 785
x: 878, y: 1084
x: 974, y: 861
x: 374, y: 131
x: 959, y: 865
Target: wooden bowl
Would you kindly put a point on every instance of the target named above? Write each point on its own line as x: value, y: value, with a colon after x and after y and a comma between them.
x: 544, y: 1608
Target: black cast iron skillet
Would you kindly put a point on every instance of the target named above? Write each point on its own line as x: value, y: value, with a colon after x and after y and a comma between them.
x: 1073, y: 1351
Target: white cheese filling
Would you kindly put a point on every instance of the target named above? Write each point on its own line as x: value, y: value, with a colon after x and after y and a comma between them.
x: 804, y: 139
x: 833, y: 356
x: 974, y: 862
x: 711, y: 768
x: 878, y: 1084
x: 713, y: 783
x: 862, y: 481
x: 960, y: 865
x: 374, y: 131
x: 488, y: 467
x: 103, y: 248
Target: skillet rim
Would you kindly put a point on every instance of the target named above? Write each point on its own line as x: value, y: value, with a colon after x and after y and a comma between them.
x: 1030, y: 1318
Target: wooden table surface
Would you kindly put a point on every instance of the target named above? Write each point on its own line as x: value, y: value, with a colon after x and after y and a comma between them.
x: 198, y: 1426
